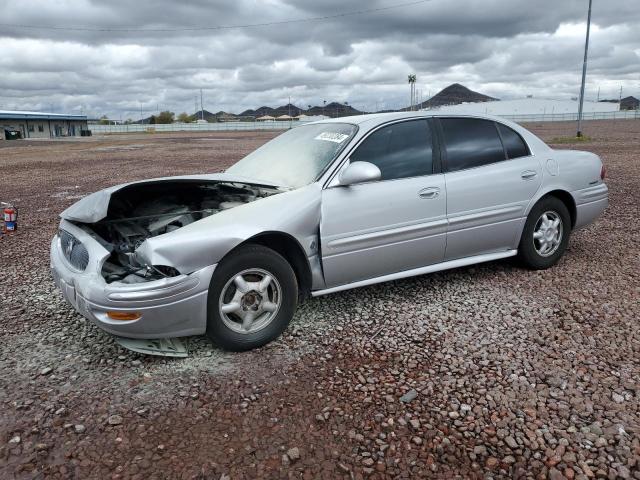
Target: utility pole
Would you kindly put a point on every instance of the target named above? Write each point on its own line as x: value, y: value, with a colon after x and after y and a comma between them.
x: 195, y: 109
x: 201, y: 107
x: 598, y: 94
x: 620, y: 96
x: 584, y: 72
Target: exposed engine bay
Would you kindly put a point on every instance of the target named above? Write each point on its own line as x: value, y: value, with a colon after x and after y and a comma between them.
x: 140, y: 211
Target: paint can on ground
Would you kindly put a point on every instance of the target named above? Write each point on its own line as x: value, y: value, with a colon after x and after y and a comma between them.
x: 10, y: 219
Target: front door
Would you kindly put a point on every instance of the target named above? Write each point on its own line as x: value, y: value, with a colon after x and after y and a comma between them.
x: 397, y: 223
x: 491, y: 177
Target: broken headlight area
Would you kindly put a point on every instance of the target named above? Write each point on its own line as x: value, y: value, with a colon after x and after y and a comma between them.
x: 146, y: 210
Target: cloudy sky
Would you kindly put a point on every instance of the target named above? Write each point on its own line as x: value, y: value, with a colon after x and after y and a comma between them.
x: 114, y: 57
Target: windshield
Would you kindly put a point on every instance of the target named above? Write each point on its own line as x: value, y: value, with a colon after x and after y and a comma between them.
x: 298, y: 156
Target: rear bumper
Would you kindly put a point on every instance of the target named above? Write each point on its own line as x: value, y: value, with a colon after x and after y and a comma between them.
x: 590, y: 204
x: 171, y: 307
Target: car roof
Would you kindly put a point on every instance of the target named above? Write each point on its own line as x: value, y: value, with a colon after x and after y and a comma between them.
x: 372, y: 119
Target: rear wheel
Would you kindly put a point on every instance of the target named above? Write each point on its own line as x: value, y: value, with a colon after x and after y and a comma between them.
x: 545, y: 235
x: 252, y: 298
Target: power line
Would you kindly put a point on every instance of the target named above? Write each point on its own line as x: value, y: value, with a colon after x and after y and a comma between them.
x: 216, y: 27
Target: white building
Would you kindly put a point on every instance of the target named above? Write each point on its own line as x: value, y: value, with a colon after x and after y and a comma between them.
x: 530, y: 106
x: 40, y: 124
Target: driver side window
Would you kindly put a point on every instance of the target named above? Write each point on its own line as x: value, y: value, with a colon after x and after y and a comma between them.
x: 400, y: 150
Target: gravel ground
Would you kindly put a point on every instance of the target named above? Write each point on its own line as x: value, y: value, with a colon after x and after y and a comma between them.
x: 483, y: 372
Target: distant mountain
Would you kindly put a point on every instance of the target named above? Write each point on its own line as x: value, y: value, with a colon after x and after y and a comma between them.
x: 629, y: 103
x: 453, y: 95
x: 333, y: 109
x: 204, y: 114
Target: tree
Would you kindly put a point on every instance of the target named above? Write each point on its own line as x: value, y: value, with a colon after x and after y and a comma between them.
x: 165, y: 117
x: 104, y: 120
x: 184, y: 117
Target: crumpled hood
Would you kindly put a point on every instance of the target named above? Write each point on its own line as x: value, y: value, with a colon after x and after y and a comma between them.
x: 94, y: 207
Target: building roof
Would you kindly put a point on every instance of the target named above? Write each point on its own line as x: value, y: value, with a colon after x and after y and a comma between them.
x: 25, y: 115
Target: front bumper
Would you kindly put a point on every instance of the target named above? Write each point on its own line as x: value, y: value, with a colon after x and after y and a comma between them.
x: 171, y: 307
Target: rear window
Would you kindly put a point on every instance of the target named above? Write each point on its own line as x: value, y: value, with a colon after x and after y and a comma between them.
x: 513, y: 142
x: 471, y: 142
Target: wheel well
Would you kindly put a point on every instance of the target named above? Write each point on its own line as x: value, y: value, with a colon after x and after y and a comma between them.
x: 292, y: 251
x: 566, y: 198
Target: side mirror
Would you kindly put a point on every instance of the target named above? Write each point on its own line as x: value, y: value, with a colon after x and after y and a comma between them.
x: 359, y: 172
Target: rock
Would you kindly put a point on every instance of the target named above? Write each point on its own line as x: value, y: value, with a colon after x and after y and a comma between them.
x: 492, y: 462
x: 46, y: 371
x: 623, y: 472
x: 15, y: 440
x: 41, y: 447
x: 511, y: 442
x: 555, y: 474
x: 415, y: 423
x: 368, y: 462
x: 79, y: 428
x: 114, y: 420
x: 616, y: 397
x: 480, y: 450
x: 293, y: 454
x: 416, y: 440
x: 409, y: 396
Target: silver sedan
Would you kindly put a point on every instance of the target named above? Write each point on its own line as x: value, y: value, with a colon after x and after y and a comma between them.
x: 323, y: 207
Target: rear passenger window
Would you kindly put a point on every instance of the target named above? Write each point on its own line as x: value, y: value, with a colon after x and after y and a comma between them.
x: 400, y: 150
x: 471, y: 142
x: 513, y: 143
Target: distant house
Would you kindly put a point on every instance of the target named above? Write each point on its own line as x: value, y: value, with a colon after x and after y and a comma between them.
x: 265, y: 118
x: 629, y: 103
x: 284, y: 118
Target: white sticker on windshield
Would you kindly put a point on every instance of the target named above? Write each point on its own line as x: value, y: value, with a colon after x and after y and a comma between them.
x: 332, y: 137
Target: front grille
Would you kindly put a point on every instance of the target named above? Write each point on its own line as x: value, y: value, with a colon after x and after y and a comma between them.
x: 73, y: 250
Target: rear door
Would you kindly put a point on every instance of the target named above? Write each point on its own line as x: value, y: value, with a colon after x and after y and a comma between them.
x: 394, y: 224
x: 490, y: 178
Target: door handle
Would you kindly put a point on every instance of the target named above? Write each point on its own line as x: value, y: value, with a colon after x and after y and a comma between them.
x: 528, y: 174
x: 429, y: 192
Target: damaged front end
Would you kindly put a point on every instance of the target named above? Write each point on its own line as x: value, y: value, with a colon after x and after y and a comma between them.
x: 140, y: 211
x: 100, y: 256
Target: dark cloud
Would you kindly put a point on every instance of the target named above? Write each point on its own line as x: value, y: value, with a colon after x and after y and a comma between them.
x: 505, y: 48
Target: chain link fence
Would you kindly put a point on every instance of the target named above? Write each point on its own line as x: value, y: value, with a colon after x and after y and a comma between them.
x: 283, y: 125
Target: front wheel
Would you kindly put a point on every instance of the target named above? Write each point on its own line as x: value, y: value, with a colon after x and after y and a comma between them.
x: 252, y: 298
x: 545, y: 235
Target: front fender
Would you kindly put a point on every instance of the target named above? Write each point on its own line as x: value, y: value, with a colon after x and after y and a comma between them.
x: 206, y: 242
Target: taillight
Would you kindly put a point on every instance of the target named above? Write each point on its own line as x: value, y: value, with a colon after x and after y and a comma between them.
x: 603, y: 172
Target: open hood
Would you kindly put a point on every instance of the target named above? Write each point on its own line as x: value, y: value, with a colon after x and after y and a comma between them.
x: 95, y: 207
x: 122, y: 218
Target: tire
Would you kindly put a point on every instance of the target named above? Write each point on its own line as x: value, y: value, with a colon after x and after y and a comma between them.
x: 531, y: 251
x: 271, y: 308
